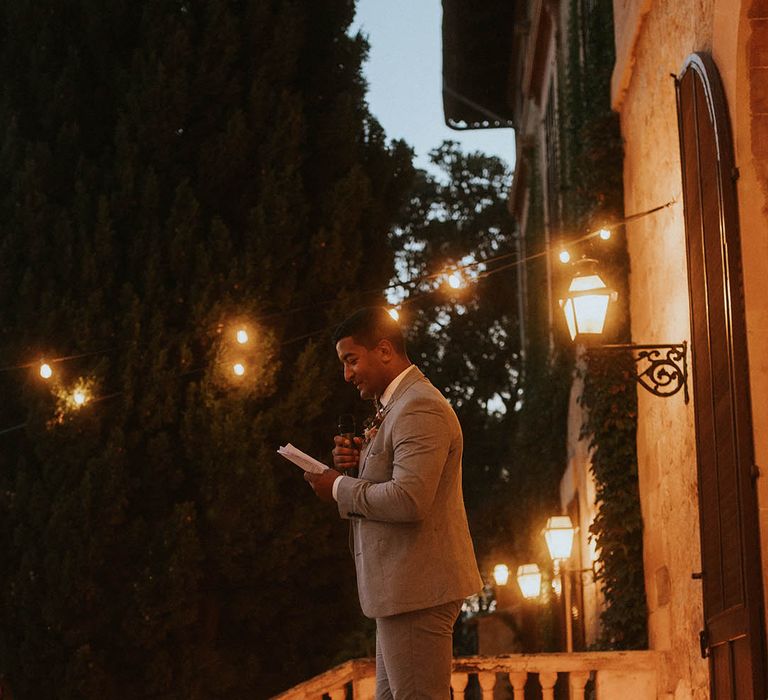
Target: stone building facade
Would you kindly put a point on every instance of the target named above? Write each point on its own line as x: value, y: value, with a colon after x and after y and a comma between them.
x: 663, y: 46
x: 654, y: 40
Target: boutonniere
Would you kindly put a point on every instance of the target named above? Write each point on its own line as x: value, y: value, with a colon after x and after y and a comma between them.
x: 371, y: 425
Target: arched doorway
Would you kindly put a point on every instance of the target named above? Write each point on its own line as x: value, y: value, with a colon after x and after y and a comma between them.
x: 733, y: 635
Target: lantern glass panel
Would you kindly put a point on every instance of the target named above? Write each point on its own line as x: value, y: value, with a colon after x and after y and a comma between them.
x: 559, y: 536
x: 501, y: 574
x: 529, y: 580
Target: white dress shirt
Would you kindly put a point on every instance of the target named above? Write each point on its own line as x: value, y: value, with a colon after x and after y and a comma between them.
x: 383, y: 400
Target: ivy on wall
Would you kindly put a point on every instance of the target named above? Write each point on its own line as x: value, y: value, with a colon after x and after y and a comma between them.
x: 610, y: 398
x: 593, y: 195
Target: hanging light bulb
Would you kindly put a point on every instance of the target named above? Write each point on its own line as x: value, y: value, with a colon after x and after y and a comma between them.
x: 46, y: 372
x: 565, y: 256
x: 239, y: 369
x: 394, y: 313
x: 455, y: 280
x: 79, y: 397
x: 604, y: 233
x: 242, y: 336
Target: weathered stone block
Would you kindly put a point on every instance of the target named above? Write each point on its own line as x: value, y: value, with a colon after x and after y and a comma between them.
x: 760, y: 136
x: 758, y: 43
x: 758, y: 90
x: 759, y: 8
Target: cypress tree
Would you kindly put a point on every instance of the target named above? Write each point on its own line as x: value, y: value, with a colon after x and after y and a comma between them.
x: 170, y: 171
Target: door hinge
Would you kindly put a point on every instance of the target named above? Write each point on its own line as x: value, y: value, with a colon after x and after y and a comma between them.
x: 704, y: 643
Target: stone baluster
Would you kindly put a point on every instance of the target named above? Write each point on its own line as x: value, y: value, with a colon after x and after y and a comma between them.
x: 518, y: 679
x: 459, y: 684
x: 577, y: 680
x: 487, y: 681
x: 338, y: 693
x: 547, y: 680
x: 364, y: 688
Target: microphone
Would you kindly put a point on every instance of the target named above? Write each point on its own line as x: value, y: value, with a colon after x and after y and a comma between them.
x: 347, y: 428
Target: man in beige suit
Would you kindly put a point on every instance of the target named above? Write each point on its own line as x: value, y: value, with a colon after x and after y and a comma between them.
x: 409, y: 534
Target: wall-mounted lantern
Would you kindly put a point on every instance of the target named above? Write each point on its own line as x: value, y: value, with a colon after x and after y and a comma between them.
x: 529, y: 580
x: 660, y: 369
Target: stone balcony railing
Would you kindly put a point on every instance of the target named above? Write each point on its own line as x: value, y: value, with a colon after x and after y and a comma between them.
x: 615, y: 675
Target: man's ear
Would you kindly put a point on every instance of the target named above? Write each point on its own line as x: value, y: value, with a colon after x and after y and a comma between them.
x: 386, y: 350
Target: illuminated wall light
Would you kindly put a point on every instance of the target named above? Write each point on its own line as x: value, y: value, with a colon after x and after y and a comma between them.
x: 501, y: 574
x: 565, y: 256
x: 45, y: 371
x: 529, y: 580
x: 242, y: 336
x: 239, y: 369
x: 604, y: 233
x: 394, y: 314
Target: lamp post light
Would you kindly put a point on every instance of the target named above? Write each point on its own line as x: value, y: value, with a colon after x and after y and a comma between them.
x: 529, y: 580
x: 501, y: 574
x: 585, y: 305
x: 559, y: 534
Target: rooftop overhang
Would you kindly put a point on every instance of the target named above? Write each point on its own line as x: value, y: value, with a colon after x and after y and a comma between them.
x: 477, y: 55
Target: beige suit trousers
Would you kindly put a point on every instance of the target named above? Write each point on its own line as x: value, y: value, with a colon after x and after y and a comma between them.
x: 414, y: 651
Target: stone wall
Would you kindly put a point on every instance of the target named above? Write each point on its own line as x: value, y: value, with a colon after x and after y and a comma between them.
x: 653, y: 43
x: 653, y: 39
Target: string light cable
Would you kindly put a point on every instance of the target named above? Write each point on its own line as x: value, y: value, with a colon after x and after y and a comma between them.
x: 412, y: 284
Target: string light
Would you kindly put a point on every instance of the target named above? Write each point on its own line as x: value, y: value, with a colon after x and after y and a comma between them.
x: 565, y: 256
x: 455, y: 280
x: 394, y: 314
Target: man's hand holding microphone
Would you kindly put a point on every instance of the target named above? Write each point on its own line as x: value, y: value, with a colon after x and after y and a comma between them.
x: 346, y: 456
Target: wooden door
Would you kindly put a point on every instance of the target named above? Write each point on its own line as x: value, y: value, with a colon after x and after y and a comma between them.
x: 733, y: 635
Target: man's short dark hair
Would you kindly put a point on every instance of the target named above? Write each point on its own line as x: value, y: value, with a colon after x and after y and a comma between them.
x: 369, y: 325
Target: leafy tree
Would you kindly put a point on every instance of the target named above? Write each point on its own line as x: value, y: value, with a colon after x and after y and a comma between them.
x: 169, y: 171
x: 467, y: 340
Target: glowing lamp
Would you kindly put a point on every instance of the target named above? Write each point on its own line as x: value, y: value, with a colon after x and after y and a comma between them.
x: 529, y: 580
x: 501, y: 574
x: 242, y: 336
x: 565, y: 256
x: 604, y: 233
x: 45, y: 371
x: 394, y: 314
x: 586, y: 304
x: 559, y: 536
x: 239, y: 369
x: 79, y: 397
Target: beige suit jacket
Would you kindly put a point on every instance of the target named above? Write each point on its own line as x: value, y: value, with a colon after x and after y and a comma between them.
x: 409, y: 533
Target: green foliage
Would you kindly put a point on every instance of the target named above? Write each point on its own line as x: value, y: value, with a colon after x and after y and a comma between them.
x: 467, y: 340
x: 512, y: 409
x: 594, y: 197
x: 610, y: 398
x: 168, y: 170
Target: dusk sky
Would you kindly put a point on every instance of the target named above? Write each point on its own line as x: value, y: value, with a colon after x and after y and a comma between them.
x: 404, y: 72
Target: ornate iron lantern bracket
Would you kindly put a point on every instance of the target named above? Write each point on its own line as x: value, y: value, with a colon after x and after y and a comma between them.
x: 660, y: 369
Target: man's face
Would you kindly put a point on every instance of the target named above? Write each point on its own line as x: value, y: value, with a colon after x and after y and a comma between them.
x: 363, y: 367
